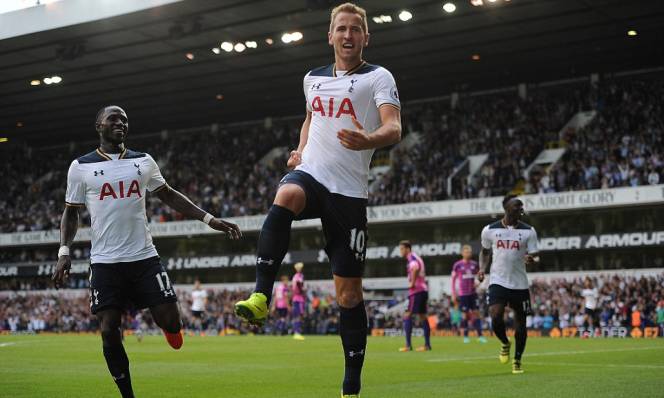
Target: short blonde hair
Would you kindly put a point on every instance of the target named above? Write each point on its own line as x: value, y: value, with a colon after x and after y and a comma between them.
x: 353, y: 9
x: 298, y: 266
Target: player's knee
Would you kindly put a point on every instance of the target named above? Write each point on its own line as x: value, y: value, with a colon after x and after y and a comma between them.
x: 292, y: 197
x: 110, y: 334
x: 349, y: 298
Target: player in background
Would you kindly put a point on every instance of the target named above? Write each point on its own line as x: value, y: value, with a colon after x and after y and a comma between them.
x: 281, y: 304
x: 352, y: 108
x: 512, y: 244
x: 125, y: 269
x: 591, y: 296
x: 418, y: 297
x: 198, y: 304
x: 299, y: 300
x: 463, y: 277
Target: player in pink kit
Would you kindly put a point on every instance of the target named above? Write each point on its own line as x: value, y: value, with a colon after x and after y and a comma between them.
x: 298, y: 301
x: 418, y: 296
x: 463, y: 291
x: 282, y: 304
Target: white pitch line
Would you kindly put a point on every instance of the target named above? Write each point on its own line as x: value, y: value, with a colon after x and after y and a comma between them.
x: 6, y: 344
x: 596, y: 365
x: 553, y: 353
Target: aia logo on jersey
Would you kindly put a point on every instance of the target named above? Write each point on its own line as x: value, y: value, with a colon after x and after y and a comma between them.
x: 508, y: 244
x: 107, y: 190
x: 345, y: 108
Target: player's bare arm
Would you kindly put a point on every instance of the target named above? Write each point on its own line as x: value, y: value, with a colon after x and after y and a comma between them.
x: 413, y: 277
x: 183, y: 205
x: 296, y: 156
x: 388, y: 133
x: 68, y: 228
x: 485, y: 259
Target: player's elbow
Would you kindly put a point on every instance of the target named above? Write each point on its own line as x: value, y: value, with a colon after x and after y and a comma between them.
x: 396, y: 132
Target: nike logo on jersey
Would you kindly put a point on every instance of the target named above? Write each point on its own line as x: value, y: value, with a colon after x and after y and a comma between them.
x: 108, y: 190
x: 138, y: 168
x: 345, y: 108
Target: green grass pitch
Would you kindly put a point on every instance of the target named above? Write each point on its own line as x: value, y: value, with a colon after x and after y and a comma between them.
x: 259, y: 366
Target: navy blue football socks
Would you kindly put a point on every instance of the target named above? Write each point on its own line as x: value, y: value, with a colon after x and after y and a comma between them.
x: 272, y: 247
x: 353, y: 331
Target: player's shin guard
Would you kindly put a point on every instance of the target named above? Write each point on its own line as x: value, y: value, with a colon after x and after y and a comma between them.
x: 520, y: 337
x: 272, y: 247
x: 408, y: 330
x: 427, y: 332
x: 353, y: 332
x: 498, y: 325
x: 118, y: 365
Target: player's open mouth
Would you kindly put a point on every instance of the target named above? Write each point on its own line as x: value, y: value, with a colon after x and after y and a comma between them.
x: 348, y: 45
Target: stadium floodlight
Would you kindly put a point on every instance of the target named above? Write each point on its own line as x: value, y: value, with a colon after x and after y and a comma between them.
x: 386, y: 18
x: 227, y: 46
x: 239, y: 47
x: 47, y: 81
x: 477, y: 3
x: 35, y: 82
x: 189, y: 56
x: 286, y: 38
x: 631, y: 32
x: 377, y: 20
x: 4, y: 139
x: 449, y: 7
x: 491, y: 1
x: 56, y: 79
x: 216, y: 50
x: 296, y: 36
x: 251, y: 44
x: 269, y: 41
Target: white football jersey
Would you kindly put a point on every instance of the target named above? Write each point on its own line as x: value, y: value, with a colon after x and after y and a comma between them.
x: 198, y: 300
x: 114, y: 191
x: 509, y: 246
x: 332, y: 98
x: 591, y: 296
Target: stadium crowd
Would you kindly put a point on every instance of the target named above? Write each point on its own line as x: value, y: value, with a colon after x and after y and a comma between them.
x: 622, y: 302
x: 226, y: 171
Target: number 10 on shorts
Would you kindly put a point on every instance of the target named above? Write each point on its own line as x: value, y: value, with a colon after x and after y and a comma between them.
x: 357, y: 243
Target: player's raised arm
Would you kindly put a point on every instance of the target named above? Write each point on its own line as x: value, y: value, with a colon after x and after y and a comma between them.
x: 183, y: 205
x: 296, y: 156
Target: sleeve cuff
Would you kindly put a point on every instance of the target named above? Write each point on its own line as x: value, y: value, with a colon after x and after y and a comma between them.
x: 74, y: 204
x: 159, y: 188
x: 390, y: 104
